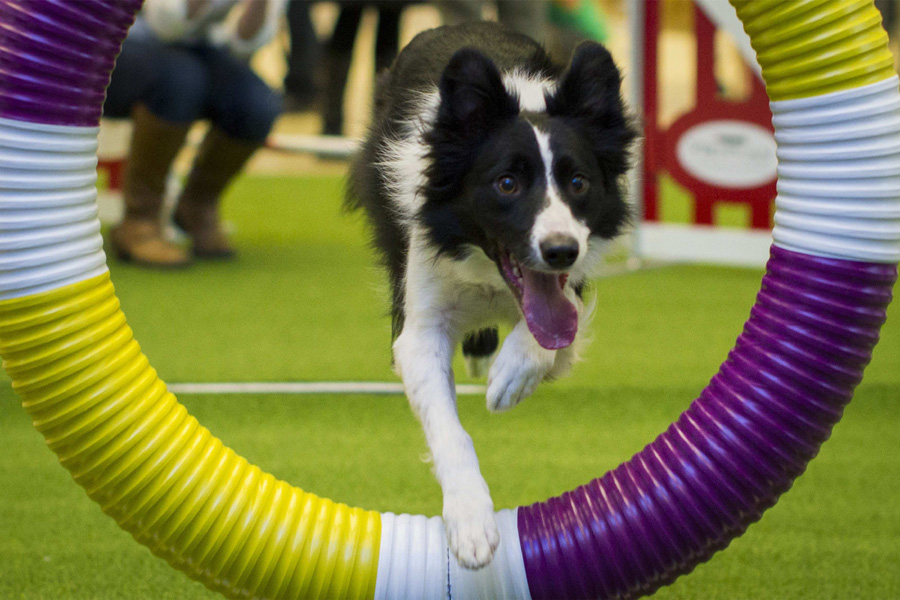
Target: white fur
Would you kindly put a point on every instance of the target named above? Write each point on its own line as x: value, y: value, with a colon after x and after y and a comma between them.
x: 444, y: 299
x: 522, y: 363
x: 520, y: 366
x: 557, y: 217
x: 404, y: 160
x: 530, y: 90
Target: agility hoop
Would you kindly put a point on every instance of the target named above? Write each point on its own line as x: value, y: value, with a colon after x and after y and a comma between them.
x: 177, y: 489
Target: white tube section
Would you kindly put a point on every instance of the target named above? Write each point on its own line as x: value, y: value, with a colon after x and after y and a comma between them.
x: 49, y: 230
x: 412, y: 560
x: 504, y: 578
x: 414, y: 563
x: 839, y: 174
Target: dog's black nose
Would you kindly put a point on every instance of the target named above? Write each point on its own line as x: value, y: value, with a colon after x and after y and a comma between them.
x: 559, y: 251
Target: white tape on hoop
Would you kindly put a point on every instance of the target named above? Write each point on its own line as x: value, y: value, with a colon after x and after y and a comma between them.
x: 415, y: 563
x: 839, y: 174
x: 49, y: 230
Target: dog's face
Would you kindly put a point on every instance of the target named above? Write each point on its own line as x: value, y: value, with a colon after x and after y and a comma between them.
x: 534, y: 184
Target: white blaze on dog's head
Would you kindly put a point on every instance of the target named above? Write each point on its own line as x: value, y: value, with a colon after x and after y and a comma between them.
x: 530, y: 90
x: 555, y: 221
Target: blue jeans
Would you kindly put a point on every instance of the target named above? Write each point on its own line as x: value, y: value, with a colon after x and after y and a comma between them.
x: 183, y: 83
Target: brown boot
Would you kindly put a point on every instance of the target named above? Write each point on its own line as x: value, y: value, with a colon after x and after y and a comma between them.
x: 141, y: 242
x: 219, y: 159
x: 139, y: 237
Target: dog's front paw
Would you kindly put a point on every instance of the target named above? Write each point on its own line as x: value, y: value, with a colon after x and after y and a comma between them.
x: 471, y: 529
x: 520, y: 366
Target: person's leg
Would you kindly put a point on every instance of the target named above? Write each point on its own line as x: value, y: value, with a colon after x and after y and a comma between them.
x: 242, y: 110
x: 163, y: 90
x: 387, y: 38
x: 134, y: 77
x: 302, y: 59
x: 338, y: 56
x: 240, y: 103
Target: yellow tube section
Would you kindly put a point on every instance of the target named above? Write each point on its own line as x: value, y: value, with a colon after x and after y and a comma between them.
x: 164, y: 478
x: 814, y: 47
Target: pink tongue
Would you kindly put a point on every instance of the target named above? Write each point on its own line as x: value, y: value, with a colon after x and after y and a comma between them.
x: 551, y: 318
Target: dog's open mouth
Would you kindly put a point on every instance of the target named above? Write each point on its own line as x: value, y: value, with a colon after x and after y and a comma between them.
x: 552, y: 319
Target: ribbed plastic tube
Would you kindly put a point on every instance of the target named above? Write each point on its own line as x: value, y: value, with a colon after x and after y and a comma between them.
x: 82, y: 377
x: 191, y: 500
x: 57, y: 56
x: 49, y: 230
x: 158, y: 473
x: 732, y: 453
x: 415, y: 562
x: 823, y: 300
x: 816, y: 47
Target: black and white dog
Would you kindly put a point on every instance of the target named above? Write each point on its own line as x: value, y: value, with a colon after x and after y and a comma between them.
x: 492, y: 177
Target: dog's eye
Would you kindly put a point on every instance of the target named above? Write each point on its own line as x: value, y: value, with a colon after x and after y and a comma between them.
x: 578, y: 185
x: 507, y: 185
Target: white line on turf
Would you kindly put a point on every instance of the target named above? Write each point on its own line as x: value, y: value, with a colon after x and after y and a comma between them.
x: 306, y: 387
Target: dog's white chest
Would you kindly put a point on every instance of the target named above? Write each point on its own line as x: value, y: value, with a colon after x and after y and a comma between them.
x: 471, y: 291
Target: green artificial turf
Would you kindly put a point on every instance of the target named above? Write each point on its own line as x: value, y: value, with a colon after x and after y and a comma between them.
x: 305, y: 302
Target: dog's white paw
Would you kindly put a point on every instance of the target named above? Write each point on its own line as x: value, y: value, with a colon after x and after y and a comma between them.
x: 472, y: 532
x: 520, y: 366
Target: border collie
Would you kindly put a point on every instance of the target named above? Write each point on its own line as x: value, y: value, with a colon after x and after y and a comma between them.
x: 492, y: 177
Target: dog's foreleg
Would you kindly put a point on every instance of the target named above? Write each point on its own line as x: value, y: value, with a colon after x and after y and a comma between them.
x: 519, y: 367
x: 522, y: 363
x: 422, y: 356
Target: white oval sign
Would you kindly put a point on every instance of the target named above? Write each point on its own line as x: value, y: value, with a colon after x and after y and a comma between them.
x: 728, y: 153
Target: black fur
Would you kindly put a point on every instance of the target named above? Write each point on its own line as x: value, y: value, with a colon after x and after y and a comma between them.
x: 481, y: 343
x: 480, y: 134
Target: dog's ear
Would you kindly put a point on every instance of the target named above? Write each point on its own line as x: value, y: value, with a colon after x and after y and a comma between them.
x: 591, y: 85
x: 473, y: 97
x: 589, y: 92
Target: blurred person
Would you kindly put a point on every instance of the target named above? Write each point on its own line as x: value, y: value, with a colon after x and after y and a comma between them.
x: 339, y: 52
x: 303, y: 58
x: 185, y: 61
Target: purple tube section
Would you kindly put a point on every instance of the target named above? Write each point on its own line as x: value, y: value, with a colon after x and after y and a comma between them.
x: 736, y: 449
x: 56, y: 57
